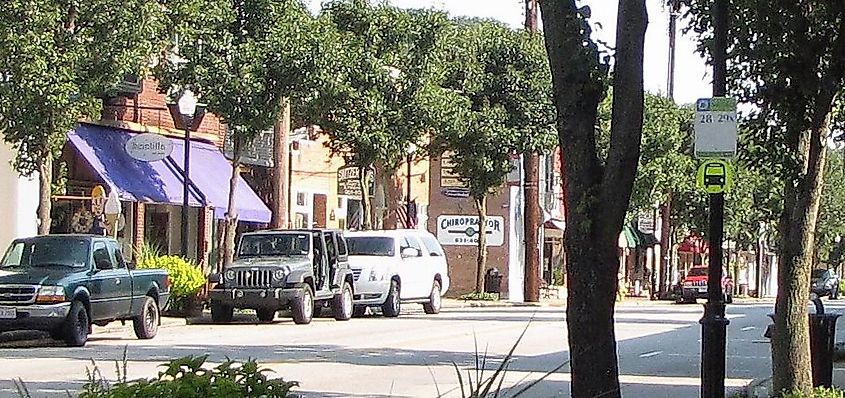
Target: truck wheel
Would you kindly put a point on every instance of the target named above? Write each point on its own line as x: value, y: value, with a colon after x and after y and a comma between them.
x: 146, y: 324
x: 391, y: 305
x: 221, y: 313
x: 434, y: 300
x: 303, y: 307
x: 77, y: 325
x: 265, y: 314
x: 359, y: 311
x: 342, y: 304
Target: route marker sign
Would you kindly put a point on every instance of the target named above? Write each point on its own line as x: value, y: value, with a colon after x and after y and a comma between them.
x: 715, y: 128
x: 715, y: 176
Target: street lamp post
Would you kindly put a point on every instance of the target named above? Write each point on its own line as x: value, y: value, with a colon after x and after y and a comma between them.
x: 412, y: 148
x: 187, y: 115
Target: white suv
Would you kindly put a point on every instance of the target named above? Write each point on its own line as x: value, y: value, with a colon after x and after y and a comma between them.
x: 397, y: 266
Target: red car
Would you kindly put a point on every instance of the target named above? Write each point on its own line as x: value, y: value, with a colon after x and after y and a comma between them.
x: 694, y: 285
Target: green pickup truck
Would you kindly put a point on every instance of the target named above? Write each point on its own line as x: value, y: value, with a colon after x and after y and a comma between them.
x: 63, y: 284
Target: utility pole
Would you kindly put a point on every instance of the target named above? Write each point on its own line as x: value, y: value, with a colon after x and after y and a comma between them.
x: 666, y: 208
x: 714, y: 324
x: 281, y: 164
x: 531, y: 165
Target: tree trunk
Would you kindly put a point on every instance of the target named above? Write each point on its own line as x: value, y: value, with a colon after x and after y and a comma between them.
x: 231, y: 210
x: 281, y: 175
x: 598, y: 195
x: 481, y: 263
x: 45, y: 194
x: 364, y: 178
x: 791, y: 342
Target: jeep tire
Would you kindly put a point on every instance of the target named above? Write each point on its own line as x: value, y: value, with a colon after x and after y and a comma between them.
x: 359, y: 311
x: 342, y: 303
x: 303, y: 306
x: 265, y: 314
x: 221, y: 313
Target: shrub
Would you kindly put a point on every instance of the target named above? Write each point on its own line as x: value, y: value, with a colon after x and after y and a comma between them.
x: 820, y: 392
x: 477, y: 296
x: 186, y: 279
x: 189, y: 378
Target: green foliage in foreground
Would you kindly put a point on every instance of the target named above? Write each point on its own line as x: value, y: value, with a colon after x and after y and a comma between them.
x: 817, y: 393
x: 189, y: 378
x: 478, y: 296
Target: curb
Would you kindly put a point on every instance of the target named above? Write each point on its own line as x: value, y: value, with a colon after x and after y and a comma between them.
x: 454, y: 303
x: 166, y: 322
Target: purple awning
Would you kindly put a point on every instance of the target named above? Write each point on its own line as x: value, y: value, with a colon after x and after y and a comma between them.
x: 161, y: 181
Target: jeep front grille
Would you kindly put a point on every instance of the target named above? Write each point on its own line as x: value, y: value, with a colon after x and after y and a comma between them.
x: 356, y: 273
x: 17, y: 294
x: 257, y: 278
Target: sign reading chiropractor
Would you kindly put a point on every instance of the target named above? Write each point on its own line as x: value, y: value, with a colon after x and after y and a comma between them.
x: 463, y: 230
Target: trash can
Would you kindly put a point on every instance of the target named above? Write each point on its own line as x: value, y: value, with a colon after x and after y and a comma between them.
x: 822, y: 335
x: 493, y: 281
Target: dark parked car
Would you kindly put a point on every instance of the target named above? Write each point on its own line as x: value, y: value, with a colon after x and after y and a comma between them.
x: 825, y: 282
x: 303, y: 270
x: 64, y: 283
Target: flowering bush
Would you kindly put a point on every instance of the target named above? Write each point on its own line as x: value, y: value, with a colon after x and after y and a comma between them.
x: 186, y: 279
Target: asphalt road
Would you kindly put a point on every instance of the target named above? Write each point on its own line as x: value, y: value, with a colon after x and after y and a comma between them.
x: 413, y: 355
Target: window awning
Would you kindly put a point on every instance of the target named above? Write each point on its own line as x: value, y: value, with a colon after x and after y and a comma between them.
x: 161, y: 181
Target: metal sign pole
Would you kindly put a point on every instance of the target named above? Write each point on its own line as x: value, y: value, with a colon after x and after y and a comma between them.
x: 714, y: 324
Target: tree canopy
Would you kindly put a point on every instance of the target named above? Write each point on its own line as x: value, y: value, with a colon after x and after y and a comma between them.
x: 57, y: 60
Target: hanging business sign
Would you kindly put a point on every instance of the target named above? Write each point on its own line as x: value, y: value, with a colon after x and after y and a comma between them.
x: 149, y: 147
x: 258, y: 152
x: 349, y: 182
x: 715, y: 128
x: 464, y: 230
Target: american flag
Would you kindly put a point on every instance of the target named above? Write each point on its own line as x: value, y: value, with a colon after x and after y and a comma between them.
x: 406, y: 216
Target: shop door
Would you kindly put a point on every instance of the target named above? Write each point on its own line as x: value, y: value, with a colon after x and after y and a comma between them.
x: 319, y: 210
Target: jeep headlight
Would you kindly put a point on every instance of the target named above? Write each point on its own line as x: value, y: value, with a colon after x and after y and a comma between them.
x: 230, y: 274
x: 279, y: 274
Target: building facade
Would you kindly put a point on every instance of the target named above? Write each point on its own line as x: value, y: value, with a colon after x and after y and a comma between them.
x: 18, y: 200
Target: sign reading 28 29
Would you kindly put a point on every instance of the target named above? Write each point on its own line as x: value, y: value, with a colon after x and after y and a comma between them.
x: 715, y: 128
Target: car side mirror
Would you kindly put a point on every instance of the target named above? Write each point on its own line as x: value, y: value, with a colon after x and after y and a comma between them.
x: 410, y: 252
x: 214, y: 277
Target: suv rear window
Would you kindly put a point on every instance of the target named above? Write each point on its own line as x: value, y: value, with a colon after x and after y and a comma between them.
x: 432, y: 246
x: 698, y: 271
x: 371, y: 246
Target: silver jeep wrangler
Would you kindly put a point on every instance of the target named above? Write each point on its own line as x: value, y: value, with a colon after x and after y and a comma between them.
x: 303, y: 270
